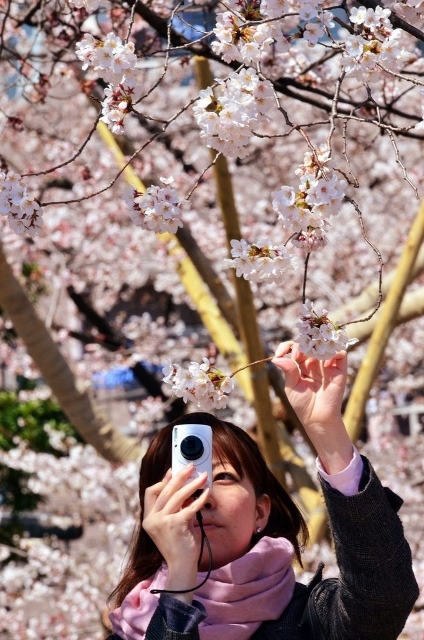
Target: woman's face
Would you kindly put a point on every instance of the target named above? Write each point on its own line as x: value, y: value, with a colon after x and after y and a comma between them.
x: 231, y: 516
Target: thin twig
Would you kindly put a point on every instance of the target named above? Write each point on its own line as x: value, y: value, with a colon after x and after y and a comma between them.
x: 380, y: 270
x: 402, y: 166
x: 305, y: 276
x: 70, y: 160
x: 200, y: 178
x: 246, y: 366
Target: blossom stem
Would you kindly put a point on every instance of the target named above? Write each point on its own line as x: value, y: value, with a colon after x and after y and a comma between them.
x: 246, y: 366
x: 305, y: 275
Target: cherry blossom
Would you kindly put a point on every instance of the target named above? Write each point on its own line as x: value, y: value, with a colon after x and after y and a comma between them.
x: 228, y: 114
x: 319, y: 337
x: 111, y: 57
x: 89, y: 5
x: 158, y: 209
x: 319, y: 197
x: 235, y: 41
x: 23, y: 212
x: 115, y: 63
x: 260, y: 261
x: 201, y: 384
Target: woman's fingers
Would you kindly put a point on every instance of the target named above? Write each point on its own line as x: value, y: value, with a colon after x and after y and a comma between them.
x: 290, y: 360
x: 338, y: 360
x: 152, y: 493
x: 173, y: 492
x: 296, y: 364
x: 284, y: 348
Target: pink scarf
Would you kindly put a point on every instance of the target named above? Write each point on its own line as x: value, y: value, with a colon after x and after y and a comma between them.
x: 237, y: 597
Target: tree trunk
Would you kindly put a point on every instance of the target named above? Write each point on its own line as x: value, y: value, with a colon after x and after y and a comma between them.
x: 76, y: 402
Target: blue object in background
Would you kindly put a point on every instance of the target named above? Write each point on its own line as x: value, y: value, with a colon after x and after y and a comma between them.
x: 118, y: 377
x: 122, y: 377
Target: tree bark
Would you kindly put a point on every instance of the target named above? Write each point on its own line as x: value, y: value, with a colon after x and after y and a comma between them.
x: 75, y: 401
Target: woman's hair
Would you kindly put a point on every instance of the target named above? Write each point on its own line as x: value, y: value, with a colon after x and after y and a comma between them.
x: 232, y: 444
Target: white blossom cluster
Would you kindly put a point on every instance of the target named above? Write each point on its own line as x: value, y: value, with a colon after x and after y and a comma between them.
x: 319, y: 337
x: 201, y: 384
x: 115, y: 62
x: 246, y: 31
x: 23, y: 213
x: 111, y: 58
x: 377, y: 44
x: 158, y: 209
x: 116, y: 105
x: 237, y: 41
x: 230, y: 112
x: 305, y: 212
x: 260, y: 261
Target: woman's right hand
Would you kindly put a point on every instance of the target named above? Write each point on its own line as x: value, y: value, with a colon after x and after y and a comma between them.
x: 169, y: 516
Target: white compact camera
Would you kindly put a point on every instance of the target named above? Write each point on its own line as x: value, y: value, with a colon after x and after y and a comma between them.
x: 192, y: 443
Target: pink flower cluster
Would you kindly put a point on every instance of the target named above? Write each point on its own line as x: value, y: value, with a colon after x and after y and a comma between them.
x: 319, y: 196
x: 260, y: 261
x: 115, y: 62
x: 319, y: 337
x: 229, y: 113
x: 158, y: 209
x: 23, y: 213
x: 201, y: 384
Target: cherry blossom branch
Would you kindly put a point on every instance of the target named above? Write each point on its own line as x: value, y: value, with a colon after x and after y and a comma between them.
x: 200, y: 178
x: 345, y: 154
x: 14, y: 550
x: 380, y: 260
x: 305, y: 277
x: 166, y: 63
x: 396, y: 21
x: 400, y: 76
x: 130, y: 23
x: 3, y: 27
x: 402, y: 166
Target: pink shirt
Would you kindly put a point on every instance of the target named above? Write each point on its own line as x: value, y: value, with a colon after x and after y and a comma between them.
x: 347, y: 480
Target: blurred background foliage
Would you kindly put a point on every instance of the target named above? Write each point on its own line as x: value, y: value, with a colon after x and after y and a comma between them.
x: 27, y: 421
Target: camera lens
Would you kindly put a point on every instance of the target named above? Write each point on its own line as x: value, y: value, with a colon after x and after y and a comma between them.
x: 192, y: 448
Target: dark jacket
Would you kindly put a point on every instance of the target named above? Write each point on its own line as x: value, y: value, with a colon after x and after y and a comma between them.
x: 375, y: 591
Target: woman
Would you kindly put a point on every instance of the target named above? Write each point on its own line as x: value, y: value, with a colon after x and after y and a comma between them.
x: 255, y: 531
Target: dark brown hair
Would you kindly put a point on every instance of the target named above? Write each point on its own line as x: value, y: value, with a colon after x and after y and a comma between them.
x: 232, y: 444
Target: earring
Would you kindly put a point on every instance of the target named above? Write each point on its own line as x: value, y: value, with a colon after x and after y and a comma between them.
x: 258, y: 529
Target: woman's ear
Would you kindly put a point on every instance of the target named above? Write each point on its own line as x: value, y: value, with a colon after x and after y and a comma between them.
x: 263, y: 509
